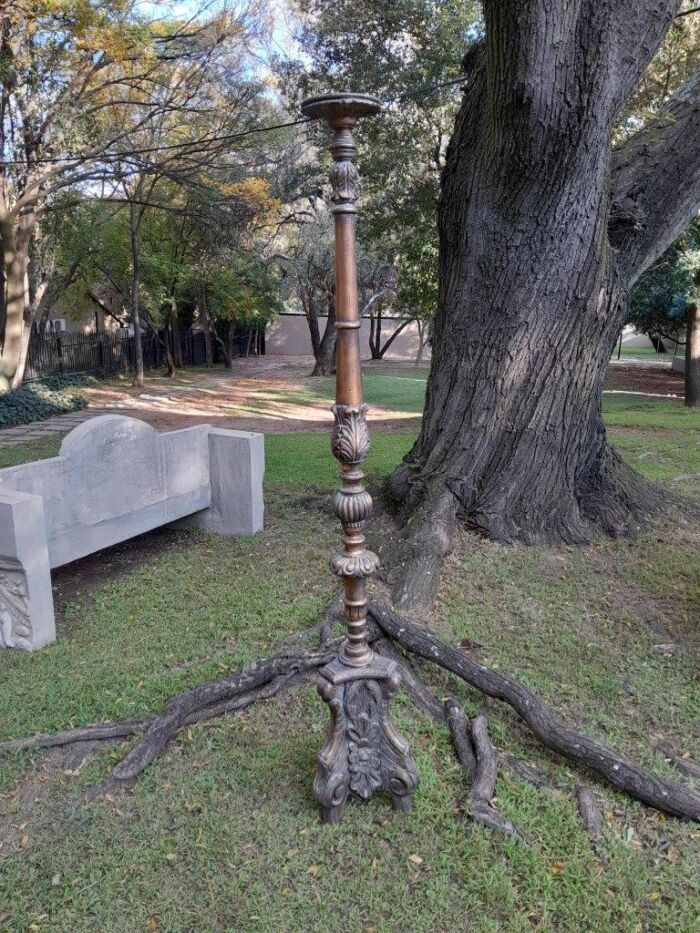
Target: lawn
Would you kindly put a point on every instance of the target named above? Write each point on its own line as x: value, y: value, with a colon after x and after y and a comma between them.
x: 222, y: 833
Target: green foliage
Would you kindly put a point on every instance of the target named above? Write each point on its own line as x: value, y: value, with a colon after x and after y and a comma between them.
x: 41, y: 399
x: 397, y: 51
x: 661, y: 298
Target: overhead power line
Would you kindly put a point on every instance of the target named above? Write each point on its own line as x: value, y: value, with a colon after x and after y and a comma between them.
x: 184, y: 146
x: 191, y: 145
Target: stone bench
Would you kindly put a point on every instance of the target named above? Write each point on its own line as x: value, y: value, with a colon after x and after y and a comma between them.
x: 115, y: 478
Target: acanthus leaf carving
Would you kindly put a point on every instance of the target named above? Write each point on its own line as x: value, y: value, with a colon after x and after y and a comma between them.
x: 350, y: 438
x: 344, y: 180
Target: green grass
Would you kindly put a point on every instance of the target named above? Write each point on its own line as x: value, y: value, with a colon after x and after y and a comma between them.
x: 222, y: 832
x: 638, y: 351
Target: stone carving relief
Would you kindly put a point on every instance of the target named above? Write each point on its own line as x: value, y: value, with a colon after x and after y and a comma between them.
x: 14, y: 607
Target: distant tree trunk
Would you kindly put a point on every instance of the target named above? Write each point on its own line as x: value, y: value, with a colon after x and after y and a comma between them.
x: 423, y: 336
x: 535, y: 270
x: 325, y: 358
x: 175, y: 333
x: 308, y: 303
x: 231, y: 338
x: 375, y: 334
x: 378, y: 350
x: 206, y: 327
x: 135, y: 281
x: 225, y: 347
x: 692, y: 356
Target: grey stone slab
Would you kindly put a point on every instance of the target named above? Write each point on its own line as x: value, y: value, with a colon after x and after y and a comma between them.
x: 115, y: 478
x: 236, y: 469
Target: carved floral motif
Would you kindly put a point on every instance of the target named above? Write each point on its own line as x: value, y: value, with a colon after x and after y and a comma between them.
x: 362, y: 703
x: 344, y: 178
x: 354, y: 565
x: 350, y: 438
x: 363, y: 752
x: 14, y: 612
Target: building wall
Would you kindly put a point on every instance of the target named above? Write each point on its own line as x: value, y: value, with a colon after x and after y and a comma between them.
x: 289, y: 335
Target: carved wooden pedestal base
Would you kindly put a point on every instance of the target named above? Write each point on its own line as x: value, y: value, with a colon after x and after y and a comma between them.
x: 363, y: 752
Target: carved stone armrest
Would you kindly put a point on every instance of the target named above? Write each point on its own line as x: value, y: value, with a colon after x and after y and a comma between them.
x: 26, y: 603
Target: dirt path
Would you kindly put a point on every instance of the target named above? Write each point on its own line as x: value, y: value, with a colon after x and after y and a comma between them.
x: 274, y: 395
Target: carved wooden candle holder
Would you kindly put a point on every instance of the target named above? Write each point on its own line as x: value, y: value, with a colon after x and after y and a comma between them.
x: 363, y: 752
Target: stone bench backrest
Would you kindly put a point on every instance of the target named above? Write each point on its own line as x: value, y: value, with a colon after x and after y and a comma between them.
x: 114, y: 478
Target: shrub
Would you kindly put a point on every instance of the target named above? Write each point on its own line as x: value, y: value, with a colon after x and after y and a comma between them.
x: 42, y: 398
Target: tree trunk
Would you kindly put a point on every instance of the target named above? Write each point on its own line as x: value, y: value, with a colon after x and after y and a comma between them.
x: 225, y: 350
x: 692, y: 356
x: 175, y: 333
x: 206, y: 328
x: 532, y: 296
x: 231, y: 338
x: 15, y: 250
x: 135, y: 281
x: 382, y: 350
x: 423, y: 333
x: 325, y: 358
x: 375, y: 335
x: 308, y: 303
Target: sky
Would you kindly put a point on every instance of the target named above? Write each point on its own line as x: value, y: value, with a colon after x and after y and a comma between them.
x: 282, y: 41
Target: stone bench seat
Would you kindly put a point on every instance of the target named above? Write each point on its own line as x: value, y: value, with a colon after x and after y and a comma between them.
x: 115, y: 478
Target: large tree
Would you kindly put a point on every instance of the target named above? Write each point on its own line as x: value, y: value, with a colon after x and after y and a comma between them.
x: 544, y: 228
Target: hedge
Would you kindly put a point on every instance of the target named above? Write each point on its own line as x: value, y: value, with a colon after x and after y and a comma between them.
x: 42, y: 398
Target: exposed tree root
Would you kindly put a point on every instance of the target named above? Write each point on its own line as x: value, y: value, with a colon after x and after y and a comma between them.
x: 460, y: 729
x: 258, y: 681
x: 684, y: 765
x: 590, y: 814
x: 427, y: 538
x: 526, y: 773
x: 481, y: 808
x: 410, y: 681
x: 226, y: 690
x: 549, y: 729
x: 393, y: 636
x: 100, y: 731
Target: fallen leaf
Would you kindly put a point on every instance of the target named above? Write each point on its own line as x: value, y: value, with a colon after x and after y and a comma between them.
x: 416, y: 859
x: 557, y: 868
x: 313, y: 870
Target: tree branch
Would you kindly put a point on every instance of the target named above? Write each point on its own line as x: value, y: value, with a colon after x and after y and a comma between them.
x: 656, y: 182
x: 642, y: 27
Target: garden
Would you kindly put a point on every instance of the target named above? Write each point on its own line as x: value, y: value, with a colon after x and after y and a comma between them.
x: 349, y: 466
x: 222, y: 831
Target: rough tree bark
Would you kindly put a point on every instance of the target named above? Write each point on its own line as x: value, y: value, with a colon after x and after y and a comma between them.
x: 542, y: 232
x: 325, y: 357
x: 174, y: 327
x: 308, y: 303
x: 134, y: 297
x: 692, y: 352
x: 206, y: 323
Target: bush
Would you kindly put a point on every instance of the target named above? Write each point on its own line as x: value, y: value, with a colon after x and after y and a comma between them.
x: 42, y: 398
